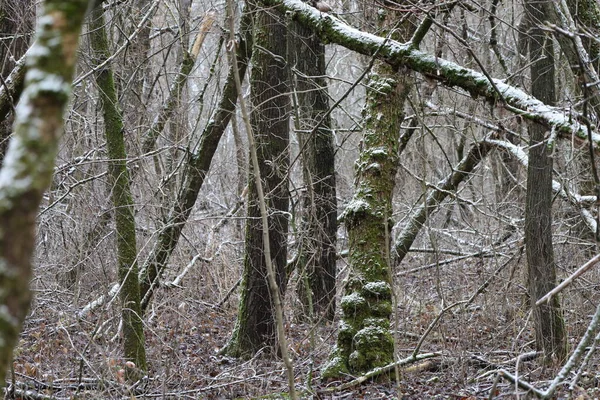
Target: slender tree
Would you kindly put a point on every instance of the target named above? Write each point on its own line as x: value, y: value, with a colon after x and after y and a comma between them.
x: 195, y: 169
x: 131, y: 313
x: 255, y: 327
x: 549, y: 324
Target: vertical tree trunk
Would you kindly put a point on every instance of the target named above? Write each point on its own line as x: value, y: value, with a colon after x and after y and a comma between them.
x: 29, y: 163
x: 365, y: 340
x: 549, y: 324
x: 316, y: 259
x: 133, y: 328
x: 255, y: 327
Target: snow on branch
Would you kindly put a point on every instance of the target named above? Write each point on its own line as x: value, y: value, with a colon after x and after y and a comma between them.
x: 333, y: 30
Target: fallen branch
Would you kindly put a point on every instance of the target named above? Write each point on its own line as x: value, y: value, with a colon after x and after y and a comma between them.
x: 583, y: 269
x: 382, y: 370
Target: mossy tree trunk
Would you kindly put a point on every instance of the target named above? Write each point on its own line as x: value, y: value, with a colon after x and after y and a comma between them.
x: 133, y: 328
x: 29, y: 163
x: 549, y: 324
x: 316, y: 264
x: 365, y: 339
x: 255, y: 326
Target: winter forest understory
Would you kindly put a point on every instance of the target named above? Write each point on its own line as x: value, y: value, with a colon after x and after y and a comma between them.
x: 299, y: 200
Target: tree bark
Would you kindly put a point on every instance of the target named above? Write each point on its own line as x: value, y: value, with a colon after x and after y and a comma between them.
x: 255, y: 327
x: 365, y: 339
x: 29, y: 163
x: 549, y: 324
x: 133, y: 328
x: 316, y: 264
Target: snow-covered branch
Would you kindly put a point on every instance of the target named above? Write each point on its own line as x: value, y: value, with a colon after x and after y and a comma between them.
x: 448, y: 73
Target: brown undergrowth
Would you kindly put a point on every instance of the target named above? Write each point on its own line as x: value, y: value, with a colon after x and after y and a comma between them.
x: 61, y: 356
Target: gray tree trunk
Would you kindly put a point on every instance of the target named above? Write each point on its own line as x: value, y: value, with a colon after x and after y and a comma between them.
x: 255, y: 327
x: 549, y: 324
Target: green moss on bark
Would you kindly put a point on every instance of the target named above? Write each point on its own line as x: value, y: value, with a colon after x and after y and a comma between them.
x: 131, y: 312
x: 364, y: 337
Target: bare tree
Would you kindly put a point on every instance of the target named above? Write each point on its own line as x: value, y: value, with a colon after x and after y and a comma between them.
x: 549, y: 323
x: 365, y: 339
x: 316, y: 259
x: 255, y: 327
x: 131, y: 311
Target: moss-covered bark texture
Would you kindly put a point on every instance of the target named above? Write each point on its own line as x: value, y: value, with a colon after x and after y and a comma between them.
x: 255, y: 327
x: 316, y: 264
x: 365, y: 339
x: 550, y: 331
x: 131, y: 313
x: 29, y: 162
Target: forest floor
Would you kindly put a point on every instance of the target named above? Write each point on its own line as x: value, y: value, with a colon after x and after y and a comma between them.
x: 61, y: 356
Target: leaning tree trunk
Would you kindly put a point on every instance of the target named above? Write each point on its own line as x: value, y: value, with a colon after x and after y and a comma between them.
x: 196, y: 168
x: 255, y: 327
x: 316, y: 264
x: 549, y: 324
x: 131, y: 312
x: 365, y: 339
x: 29, y: 163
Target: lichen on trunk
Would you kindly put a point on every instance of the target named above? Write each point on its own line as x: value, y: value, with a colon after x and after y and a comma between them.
x: 365, y: 340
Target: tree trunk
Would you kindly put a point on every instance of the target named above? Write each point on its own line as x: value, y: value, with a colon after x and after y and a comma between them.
x: 135, y: 68
x: 29, y: 163
x: 255, y: 327
x: 365, y: 339
x: 549, y: 324
x: 316, y: 264
x: 133, y: 328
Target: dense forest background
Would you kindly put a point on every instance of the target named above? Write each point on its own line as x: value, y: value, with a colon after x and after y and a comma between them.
x: 361, y: 199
